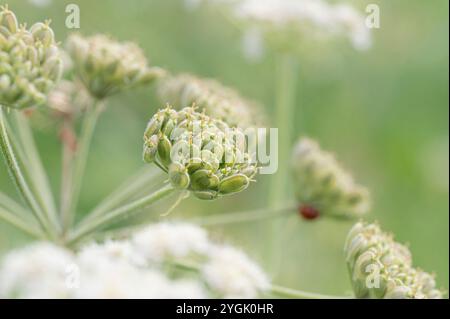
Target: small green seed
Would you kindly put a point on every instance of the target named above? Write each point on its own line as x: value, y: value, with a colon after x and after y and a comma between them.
x: 178, y: 176
x: 206, y: 195
x: 164, y: 147
x: 233, y: 184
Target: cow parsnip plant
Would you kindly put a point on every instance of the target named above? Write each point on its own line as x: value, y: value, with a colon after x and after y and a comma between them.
x: 196, y: 143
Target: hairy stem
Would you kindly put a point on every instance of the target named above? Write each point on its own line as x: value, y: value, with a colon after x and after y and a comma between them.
x: 118, y: 213
x: 18, y: 177
x: 286, y: 75
x: 245, y: 216
x: 35, y: 170
x: 80, y: 160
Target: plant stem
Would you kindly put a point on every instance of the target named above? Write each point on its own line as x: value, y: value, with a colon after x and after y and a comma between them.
x: 245, y: 216
x: 286, y: 75
x: 18, y: 177
x: 129, y: 189
x: 126, y: 210
x: 285, y: 97
x: 35, y: 170
x: 20, y: 223
x: 299, y: 294
x: 19, y: 216
x: 80, y: 160
x: 68, y: 153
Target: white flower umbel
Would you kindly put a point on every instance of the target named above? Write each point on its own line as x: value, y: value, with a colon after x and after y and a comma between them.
x: 287, y: 23
x: 305, y: 18
x: 112, y: 250
x: 231, y: 274
x: 170, y: 240
x: 36, y: 271
x: 166, y: 260
x: 105, y: 276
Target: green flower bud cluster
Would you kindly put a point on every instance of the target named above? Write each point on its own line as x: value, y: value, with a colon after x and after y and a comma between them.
x: 382, y: 268
x: 199, y: 153
x: 216, y: 100
x: 106, y: 66
x: 321, y: 183
x: 30, y: 63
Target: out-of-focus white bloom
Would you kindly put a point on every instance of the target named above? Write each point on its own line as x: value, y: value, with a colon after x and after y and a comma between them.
x: 295, y: 20
x: 308, y: 17
x: 192, y: 4
x: 119, y: 269
x: 40, y: 3
x: 232, y: 274
x: 253, y: 44
x: 166, y: 240
x: 37, y: 271
x: 105, y: 276
x: 113, y: 251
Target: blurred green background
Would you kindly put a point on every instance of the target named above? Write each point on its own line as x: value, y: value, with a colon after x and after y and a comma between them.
x: 384, y: 112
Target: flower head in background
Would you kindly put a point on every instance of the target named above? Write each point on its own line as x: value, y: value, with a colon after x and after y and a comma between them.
x: 322, y: 186
x: 168, y: 240
x: 30, y: 62
x: 106, y: 66
x: 36, y: 271
x: 298, y: 19
x: 231, y: 274
x: 382, y: 268
x: 200, y: 153
x: 217, y: 100
x: 141, y: 267
x: 287, y: 23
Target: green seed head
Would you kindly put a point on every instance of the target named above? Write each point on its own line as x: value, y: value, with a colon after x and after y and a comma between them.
x: 382, y: 268
x: 322, y: 183
x: 200, y: 153
x: 107, y: 67
x: 30, y: 62
x: 218, y: 101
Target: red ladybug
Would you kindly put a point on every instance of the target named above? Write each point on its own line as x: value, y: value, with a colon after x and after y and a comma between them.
x: 308, y: 212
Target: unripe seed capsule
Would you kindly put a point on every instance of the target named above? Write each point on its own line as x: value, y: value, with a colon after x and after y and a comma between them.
x: 233, y: 184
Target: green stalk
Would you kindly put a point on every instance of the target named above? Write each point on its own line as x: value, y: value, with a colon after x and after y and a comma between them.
x: 20, y: 223
x: 79, y: 164
x: 286, y: 75
x: 18, y: 216
x: 244, y: 216
x: 35, y: 170
x: 284, y: 292
x: 129, y: 189
x: 120, y: 212
x: 18, y: 177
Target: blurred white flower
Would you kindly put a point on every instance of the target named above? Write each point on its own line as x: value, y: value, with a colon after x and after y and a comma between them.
x: 253, y: 44
x: 36, y: 271
x: 40, y: 3
x: 295, y: 20
x: 119, y: 269
x: 233, y: 275
x: 307, y: 16
x: 166, y: 240
x: 113, y: 251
